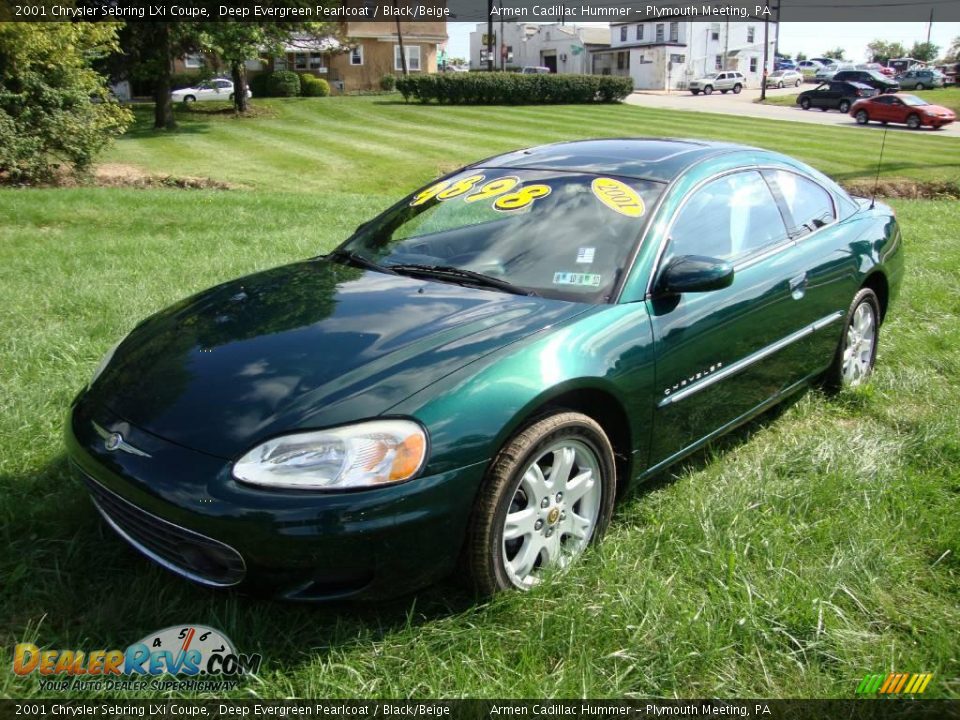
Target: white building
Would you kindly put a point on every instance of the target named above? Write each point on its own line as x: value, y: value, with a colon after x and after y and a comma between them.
x: 562, y: 48
x: 663, y: 53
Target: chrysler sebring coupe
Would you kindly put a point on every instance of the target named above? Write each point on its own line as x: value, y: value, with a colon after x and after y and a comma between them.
x: 469, y: 382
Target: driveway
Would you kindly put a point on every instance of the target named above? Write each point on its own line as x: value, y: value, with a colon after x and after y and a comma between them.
x: 743, y: 105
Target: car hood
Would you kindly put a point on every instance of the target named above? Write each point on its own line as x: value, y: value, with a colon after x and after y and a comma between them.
x: 311, y: 344
x: 938, y: 109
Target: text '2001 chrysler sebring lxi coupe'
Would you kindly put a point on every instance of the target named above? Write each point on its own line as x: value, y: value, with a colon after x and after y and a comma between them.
x: 473, y: 377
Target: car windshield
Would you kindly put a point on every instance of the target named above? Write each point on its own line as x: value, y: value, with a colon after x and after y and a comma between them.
x: 562, y: 235
x: 912, y: 100
x: 777, y: 73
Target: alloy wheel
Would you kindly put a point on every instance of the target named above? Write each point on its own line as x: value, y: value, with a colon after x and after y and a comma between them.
x: 860, y: 345
x: 553, y: 512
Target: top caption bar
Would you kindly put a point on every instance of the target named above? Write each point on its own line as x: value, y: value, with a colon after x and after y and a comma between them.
x: 622, y: 11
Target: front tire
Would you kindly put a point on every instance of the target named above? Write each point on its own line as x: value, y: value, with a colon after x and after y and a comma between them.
x: 857, y: 353
x: 548, y: 494
x: 780, y: 85
x: 737, y: 88
x: 797, y: 83
x: 695, y: 92
x: 189, y: 99
x: 805, y: 103
x: 920, y: 86
x: 913, y: 122
x: 708, y: 90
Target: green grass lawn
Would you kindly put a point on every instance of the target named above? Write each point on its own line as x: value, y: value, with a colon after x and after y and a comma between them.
x: 948, y: 97
x: 814, y: 546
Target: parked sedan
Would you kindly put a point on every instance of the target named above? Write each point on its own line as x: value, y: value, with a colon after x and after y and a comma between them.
x: 218, y: 89
x: 784, y: 78
x: 911, y: 110
x: 808, y: 67
x: 834, y: 96
x: 474, y: 377
x: 921, y: 79
x: 723, y: 81
x: 868, y: 77
x: 828, y: 71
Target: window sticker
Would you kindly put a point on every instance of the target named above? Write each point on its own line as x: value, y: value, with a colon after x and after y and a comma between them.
x: 618, y: 196
x: 522, y: 198
x: 581, y: 279
x: 585, y: 255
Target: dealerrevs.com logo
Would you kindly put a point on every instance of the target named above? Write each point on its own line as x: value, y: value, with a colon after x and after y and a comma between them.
x: 197, y: 657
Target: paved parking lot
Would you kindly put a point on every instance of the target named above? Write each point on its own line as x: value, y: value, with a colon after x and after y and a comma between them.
x: 744, y: 105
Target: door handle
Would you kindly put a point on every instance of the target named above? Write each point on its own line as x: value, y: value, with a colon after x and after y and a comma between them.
x: 798, y: 286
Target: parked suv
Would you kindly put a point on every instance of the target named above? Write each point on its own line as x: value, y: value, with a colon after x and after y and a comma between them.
x: 868, y: 77
x: 921, y: 79
x: 836, y: 95
x: 722, y: 81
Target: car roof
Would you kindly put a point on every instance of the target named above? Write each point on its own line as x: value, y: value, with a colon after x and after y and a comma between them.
x: 657, y: 159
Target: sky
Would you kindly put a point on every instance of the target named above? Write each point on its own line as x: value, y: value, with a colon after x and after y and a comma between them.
x: 810, y: 38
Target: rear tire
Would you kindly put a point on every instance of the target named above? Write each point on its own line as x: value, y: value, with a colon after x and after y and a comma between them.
x: 797, y: 83
x: 862, y: 117
x: 920, y: 86
x: 844, y: 106
x: 521, y: 496
x: 913, y: 122
x: 780, y: 85
x: 857, y: 352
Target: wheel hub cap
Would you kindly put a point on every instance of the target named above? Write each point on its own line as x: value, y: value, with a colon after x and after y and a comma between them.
x: 553, y: 513
x: 859, y: 345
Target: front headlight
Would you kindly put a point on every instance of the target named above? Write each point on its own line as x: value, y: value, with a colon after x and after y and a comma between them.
x: 367, y: 454
x: 104, y: 361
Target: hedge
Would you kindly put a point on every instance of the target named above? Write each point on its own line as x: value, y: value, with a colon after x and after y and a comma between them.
x: 283, y: 83
x: 513, y: 88
x: 312, y: 86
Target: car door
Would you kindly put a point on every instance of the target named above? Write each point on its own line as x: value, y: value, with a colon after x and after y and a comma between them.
x: 881, y: 108
x: 820, y: 95
x: 717, y: 356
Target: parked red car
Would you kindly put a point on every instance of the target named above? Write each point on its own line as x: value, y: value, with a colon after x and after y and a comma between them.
x: 909, y: 109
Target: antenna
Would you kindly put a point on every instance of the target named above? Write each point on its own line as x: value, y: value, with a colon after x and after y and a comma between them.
x: 876, y: 182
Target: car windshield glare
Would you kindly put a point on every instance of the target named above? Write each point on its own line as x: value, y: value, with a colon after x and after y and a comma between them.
x: 561, y: 235
x: 912, y: 100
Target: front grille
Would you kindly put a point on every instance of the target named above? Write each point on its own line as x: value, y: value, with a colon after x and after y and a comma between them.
x: 187, y: 553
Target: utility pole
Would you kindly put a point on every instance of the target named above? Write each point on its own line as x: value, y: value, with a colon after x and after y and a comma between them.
x: 929, y: 26
x: 502, y: 41
x: 490, y: 36
x: 766, y: 53
x: 403, y: 54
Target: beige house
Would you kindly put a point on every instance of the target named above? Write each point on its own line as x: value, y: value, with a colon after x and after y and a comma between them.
x: 369, y: 51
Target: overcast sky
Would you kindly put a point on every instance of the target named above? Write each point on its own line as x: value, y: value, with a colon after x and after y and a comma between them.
x: 810, y: 38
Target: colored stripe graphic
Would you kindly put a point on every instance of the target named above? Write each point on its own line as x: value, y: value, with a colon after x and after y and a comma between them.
x: 894, y: 683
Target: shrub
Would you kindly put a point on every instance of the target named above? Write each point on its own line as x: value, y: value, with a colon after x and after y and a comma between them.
x: 513, y: 88
x: 312, y: 86
x: 283, y: 83
x: 259, y: 84
x: 388, y: 83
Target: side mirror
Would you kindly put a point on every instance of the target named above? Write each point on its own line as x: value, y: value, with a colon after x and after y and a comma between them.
x: 695, y: 273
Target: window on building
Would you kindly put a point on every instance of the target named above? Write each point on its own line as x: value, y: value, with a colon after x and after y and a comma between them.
x: 413, y: 57
x: 715, y: 34
x: 300, y: 61
x: 674, y: 32
x: 356, y: 55
x: 280, y: 62
x: 316, y: 61
x: 623, y: 61
x: 659, y: 32
x: 718, y: 63
x: 678, y: 58
x: 623, y: 33
x: 193, y: 61
x: 751, y: 34
x: 640, y: 31
x: 753, y: 64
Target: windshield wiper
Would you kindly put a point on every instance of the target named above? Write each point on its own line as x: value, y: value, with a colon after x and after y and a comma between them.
x: 455, y: 273
x: 355, y: 258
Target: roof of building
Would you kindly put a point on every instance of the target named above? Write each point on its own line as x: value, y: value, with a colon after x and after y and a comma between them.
x: 595, y: 35
x: 659, y: 159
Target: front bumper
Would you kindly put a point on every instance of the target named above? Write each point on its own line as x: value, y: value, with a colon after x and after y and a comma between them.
x: 184, y: 510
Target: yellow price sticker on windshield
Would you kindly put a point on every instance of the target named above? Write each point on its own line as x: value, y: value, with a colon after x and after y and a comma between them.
x: 521, y: 198
x: 618, y: 196
x: 429, y: 193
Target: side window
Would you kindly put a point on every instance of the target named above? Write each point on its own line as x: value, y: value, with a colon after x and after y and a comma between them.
x: 728, y: 218
x: 810, y: 206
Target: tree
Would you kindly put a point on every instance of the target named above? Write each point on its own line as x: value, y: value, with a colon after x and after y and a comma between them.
x: 953, y: 54
x: 54, y: 107
x: 924, y: 51
x: 835, y: 54
x: 801, y: 56
x: 881, y: 51
x: 148, y: 50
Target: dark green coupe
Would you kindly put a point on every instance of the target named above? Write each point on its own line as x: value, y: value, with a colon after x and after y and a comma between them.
x: 473, y: 378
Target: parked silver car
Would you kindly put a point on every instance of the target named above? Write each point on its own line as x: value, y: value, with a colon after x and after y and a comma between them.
x: 921, y: 79
x: 722, y: 81
x: 784, y: 78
